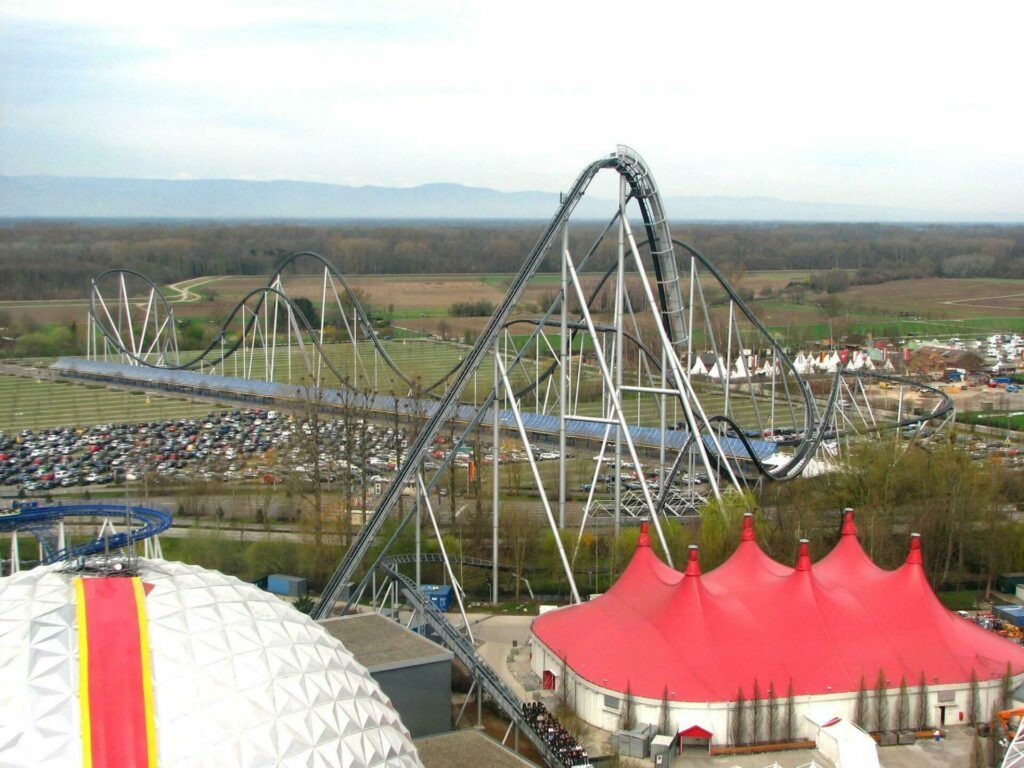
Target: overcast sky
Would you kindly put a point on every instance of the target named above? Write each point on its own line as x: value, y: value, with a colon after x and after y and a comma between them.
x: 897, y: 103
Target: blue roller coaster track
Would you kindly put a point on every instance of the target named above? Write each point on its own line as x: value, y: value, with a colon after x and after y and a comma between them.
x: 40, y: 520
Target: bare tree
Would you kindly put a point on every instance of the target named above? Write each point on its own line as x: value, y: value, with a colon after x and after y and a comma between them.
x: 977, y: 752
x: 309, y: 433
x: 665, y: 718
x: 739, y: 719
x: 972, y: 699
x: 921, y: 715
x: 881, y: 703
x: 519, y: 539
x: 773, y: 713
x: 565, y: 705
x: 860, y: 709
x: 755, y: 713
x: 790, y: 712
x: 903, y: 706
x: 627, y: 718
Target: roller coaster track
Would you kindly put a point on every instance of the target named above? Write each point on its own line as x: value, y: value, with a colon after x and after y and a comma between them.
x: 465, y: 652
x: 629, y: 165
x: 211, y: 355
x: 37, y: 519
x: 815, y: 429
x: 813, y: 437
x: 474, y: 562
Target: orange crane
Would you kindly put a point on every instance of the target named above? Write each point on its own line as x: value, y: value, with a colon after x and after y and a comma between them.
x: 1006, y: 715
x: 1014, y: 739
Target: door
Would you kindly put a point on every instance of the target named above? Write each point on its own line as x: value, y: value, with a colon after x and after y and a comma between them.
x: 549, y: 680
x: 942, y: 717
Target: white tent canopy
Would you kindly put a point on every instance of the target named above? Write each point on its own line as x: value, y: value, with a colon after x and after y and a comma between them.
x: 844, y: 743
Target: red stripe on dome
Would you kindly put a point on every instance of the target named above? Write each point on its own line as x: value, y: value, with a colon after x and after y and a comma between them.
x: 116, y: 696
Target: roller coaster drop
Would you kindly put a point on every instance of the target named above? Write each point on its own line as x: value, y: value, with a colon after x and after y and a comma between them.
x: 751, y: 400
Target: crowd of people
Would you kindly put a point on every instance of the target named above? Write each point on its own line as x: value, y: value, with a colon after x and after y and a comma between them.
x: 561, y: 742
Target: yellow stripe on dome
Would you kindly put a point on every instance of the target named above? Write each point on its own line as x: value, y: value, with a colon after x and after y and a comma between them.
x: 147, y: 671
x: 83, y: 673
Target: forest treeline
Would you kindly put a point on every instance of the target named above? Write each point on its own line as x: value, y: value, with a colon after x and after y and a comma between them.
x: 48, y: 259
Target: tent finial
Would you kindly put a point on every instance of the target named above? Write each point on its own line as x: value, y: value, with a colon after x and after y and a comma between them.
x: 748, y: 527
x: 849, y: 527
x: 914, y: 553
x: 803, y: 560
x: 644, y: 539
x: 693, y: 564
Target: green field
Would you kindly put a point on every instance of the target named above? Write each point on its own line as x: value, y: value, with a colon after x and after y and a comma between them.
x: 30, y: 404
x: 1002, y: 420
x: 422, y: 360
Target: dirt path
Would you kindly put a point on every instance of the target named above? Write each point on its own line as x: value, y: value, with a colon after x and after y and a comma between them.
x: 186, y: 292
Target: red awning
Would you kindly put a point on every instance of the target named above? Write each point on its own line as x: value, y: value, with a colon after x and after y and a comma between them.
x: 695, y: 732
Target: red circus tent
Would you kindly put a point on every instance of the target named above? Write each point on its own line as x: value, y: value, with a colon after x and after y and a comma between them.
x: 821, y: 627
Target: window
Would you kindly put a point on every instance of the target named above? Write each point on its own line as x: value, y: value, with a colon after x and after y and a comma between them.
x: 612, y: 703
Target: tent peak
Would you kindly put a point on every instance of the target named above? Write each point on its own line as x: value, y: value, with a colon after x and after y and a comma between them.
x: 693, y: 564
x: 748, y: 527
x: 849, y: 527
x: 914, y: 553
x: 803, y: 561
x: 644, y: 539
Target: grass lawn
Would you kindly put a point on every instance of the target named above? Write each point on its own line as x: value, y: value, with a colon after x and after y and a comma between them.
x: 958, y: 601
x: 1003, y: 420
x: 30, y: 404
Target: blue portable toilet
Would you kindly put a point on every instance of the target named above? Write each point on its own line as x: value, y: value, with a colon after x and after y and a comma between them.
x: 440, y: 595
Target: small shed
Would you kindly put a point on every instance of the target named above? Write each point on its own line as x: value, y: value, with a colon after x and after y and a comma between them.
x: 661, y: 750
x: 283, y: 584
x: 634, y: 743
x: 697, y: 735
x: 1008, y: 581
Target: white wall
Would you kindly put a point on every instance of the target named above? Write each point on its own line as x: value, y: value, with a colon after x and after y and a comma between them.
x: 588, y: 700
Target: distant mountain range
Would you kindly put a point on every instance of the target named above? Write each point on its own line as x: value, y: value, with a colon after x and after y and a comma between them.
x: 79, y: 197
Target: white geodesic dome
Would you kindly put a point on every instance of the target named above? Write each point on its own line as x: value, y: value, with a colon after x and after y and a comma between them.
x: 239, y: 678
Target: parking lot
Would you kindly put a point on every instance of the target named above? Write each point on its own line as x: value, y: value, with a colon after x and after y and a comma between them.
x: 257, y: 445
x: 241, y: 445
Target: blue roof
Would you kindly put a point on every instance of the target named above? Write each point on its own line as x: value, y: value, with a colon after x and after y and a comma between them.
x: 648, y: 437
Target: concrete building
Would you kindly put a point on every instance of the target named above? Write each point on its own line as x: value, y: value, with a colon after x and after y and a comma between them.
x: 415, y: 673
x: 467, y: 749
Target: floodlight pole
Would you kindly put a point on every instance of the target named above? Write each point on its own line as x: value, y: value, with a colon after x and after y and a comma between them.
x: 662, y: 424
x: 495, y: 479
x: 617, y: 356
x: 727, y: 373
x: 563, y: 388
x: 419, y: 545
